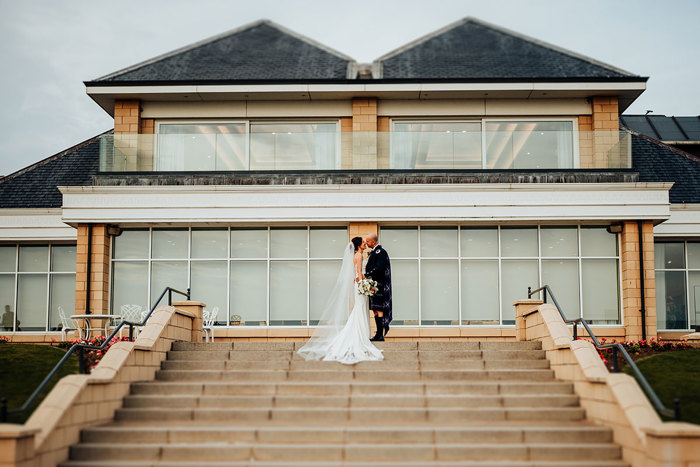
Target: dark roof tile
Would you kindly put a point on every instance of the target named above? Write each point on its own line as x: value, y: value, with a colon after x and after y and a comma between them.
x: 257, y: 52
x: 472, y: 49
x: 36, y: 186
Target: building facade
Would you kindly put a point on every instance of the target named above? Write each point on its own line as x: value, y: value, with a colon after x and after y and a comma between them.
x: 488, y: 162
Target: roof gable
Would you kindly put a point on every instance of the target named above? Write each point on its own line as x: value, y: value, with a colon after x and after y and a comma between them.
x: 473, y: 49
x: 256, y: 52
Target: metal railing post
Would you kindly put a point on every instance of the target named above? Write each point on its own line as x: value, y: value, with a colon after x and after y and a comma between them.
x: 616, y: 368
x: 81, y: 361
x: 3, y: 410
x: 131, y: 332
x: 188, y: 294
x: 170, y: 297
x: 677, y: 409
x: 575, y: 331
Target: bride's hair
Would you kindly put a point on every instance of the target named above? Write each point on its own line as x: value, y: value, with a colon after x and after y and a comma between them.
x: 357, y: 241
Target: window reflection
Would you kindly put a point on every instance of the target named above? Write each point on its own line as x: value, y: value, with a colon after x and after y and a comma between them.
x: 436, y: 145
x: 293, y: 146
x: 529, y: 145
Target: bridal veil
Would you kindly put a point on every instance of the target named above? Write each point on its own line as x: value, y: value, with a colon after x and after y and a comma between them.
x: 336, y: 312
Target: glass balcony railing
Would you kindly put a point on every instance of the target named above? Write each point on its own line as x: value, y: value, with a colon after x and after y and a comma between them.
x: 463, y: 149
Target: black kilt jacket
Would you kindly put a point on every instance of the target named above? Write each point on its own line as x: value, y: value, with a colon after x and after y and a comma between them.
x: 378, y: 268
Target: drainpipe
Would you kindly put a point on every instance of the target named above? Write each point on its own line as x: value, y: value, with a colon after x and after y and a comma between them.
x: 88, y: 269
x: 643, y: 311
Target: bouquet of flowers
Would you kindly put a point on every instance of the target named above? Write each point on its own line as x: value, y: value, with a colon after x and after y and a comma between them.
x: 367, y: 287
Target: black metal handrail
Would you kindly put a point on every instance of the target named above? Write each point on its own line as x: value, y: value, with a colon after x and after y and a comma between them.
x: 616, y: 347
x: 5, y: 412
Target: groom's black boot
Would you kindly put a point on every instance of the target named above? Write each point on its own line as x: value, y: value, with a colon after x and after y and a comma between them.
x: 379, y: 336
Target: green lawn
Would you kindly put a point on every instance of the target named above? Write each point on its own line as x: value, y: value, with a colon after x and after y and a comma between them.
x: 23, y: 367
x: 675, y: 375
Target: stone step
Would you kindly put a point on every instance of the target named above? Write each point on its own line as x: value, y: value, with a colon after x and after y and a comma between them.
x: 392, y: 355
x: 394, y: 345
x: 561, y: 463
x: 354, y: 375
x: 307, y: 435
x: 362, y: 400
x: 344, y: 452
x: 389, y: 365
x: 353, y: 415
x: 346, y: 388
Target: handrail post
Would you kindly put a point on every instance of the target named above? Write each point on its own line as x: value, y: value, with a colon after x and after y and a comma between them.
x: 81, y: 361
x: 529, y: 292
x: 575, y: 331
x: 616, y: 368
x: 131, y: 332
x: 170, y: 297
x: 677, y: 409
x: 188, y: 294
x: 3, y: 410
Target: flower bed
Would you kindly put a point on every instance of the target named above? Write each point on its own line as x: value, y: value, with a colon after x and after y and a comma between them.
x: 93, y: 356
x: 640, y: 349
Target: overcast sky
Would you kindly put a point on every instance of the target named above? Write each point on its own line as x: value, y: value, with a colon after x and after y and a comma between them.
x: 48, y: 48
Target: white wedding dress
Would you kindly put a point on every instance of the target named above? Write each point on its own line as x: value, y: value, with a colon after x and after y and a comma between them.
x: 342, y: 334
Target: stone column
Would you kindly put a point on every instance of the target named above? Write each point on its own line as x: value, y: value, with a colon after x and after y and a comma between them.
x: 631, y: 284
x: 599, y: 141
x: 364, y: 127
x: 99, y: 272
x: 197, y: 309
x: 127, y: 124
x: 361, y: 229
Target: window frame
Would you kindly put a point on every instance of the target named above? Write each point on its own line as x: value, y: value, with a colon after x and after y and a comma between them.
x: 248, y: 123
x: 500, y: 258
x: 49, y: 274
x: 686, y: 270
x: 483, y: 121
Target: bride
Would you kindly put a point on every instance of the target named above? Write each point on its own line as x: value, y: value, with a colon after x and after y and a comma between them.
x: 342, y: 334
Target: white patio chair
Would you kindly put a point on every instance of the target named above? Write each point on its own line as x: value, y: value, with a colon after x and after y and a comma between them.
x: 133, y: 314
x: 209, y: 319
x: 67, y: 325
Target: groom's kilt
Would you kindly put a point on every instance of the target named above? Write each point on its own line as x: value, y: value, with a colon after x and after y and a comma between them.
x: 381, y: 300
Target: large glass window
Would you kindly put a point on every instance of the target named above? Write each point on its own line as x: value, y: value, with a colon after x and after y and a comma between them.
x: 529, y: 145
x: 677, y: 266
x: 202, y: 146
x: 483, y: 144
x: 472, y: 275
x: 236, y: 146
x: 293, y: 146
x: 254, y: 276
x: 436, y: 145
x: 34, y: 281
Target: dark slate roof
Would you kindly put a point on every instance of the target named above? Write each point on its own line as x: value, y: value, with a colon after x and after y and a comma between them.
x: 262, y: 51
x: 472, y: 49
x: 35, y: 186
x: 664, y: 128
x: 658, y: 162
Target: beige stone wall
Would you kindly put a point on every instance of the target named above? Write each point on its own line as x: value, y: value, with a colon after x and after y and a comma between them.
x: 81, y: 401
x: 631, y: 284
x: 610, y: 399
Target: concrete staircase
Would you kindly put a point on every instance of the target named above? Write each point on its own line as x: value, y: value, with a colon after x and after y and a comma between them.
x: 427, y: 404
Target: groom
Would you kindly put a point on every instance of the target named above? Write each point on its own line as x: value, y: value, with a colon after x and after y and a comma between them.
x: 378, y: 268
